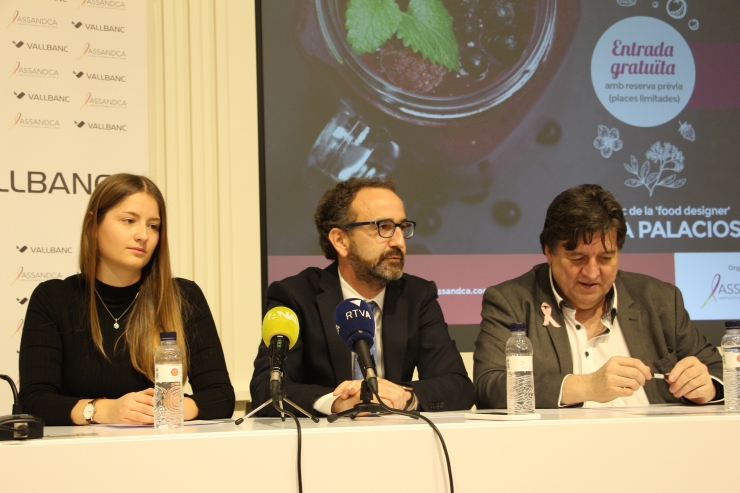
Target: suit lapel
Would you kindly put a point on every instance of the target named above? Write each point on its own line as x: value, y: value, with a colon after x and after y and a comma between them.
x: 330, y: 295
x: 395, y: 332
x: 634, y: 334
x: 558, y: 335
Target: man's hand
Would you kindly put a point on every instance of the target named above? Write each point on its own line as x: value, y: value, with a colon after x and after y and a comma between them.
x: 690, y: 379
x: 619, y: 377
x: 348, y: 394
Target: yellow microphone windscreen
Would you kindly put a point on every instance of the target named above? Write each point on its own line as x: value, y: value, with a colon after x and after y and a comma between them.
x: 280, y: 320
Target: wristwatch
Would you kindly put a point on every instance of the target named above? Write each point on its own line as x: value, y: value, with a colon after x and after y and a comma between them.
x: 89, y: 412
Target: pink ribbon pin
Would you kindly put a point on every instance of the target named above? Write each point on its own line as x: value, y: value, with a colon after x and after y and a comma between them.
x: 547, y: 312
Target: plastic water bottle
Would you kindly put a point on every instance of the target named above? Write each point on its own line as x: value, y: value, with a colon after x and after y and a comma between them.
x: 519, y: 375
x: 731, y: 376
x: 168, y: 392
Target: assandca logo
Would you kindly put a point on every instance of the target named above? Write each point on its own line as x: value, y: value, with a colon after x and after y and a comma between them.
x: 99, y: 102
x: 103, y: 28
x: 103, y: 4
x: 114, y: 127
x: 17, y: 276
x: 47, y: 98
x: 41, y: 123
x: 25, y: 71
x: 35, y: 276
x: 18, y: 328
x: 41, y: 46
x: 720, y: 291
x: 100, y: 76
x: 17, y: 19
x: 94, y: 52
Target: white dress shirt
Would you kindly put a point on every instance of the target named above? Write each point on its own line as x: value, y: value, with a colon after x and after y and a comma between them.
x: 589, y: 356
x: 323, y: 404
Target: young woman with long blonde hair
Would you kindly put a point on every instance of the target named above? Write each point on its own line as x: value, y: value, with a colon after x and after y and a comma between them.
x: 87, y: 350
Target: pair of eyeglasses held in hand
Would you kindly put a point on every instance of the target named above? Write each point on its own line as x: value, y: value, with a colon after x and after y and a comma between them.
x: 387, y: 228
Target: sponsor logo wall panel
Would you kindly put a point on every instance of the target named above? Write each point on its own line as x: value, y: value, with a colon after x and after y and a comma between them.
x: 73, y: 110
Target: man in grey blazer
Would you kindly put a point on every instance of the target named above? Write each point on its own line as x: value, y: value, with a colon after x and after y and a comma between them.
x: 598, y: 333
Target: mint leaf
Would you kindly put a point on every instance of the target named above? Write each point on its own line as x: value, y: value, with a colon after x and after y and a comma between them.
x: 370, y: 23
x: 427, y: 27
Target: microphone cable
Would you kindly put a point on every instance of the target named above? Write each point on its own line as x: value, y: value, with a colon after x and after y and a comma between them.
x: 417, y: 415
x: 298, y: 426
x: 19, y: 426
x: 16, y: 406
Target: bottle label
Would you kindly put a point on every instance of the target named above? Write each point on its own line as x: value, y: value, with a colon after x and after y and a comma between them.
x: 519, y: 363
x: 168, y: 373
x: 732, y: 358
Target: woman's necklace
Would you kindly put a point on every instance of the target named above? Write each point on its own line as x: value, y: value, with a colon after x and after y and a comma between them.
x: 115, y: 320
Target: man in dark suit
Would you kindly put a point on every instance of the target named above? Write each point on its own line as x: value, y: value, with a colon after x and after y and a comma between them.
x: 362, y: 226
x: 598, y: 333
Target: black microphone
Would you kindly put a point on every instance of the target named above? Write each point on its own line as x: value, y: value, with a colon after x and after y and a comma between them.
x: 279, y: 333
x: 355, y: 324
x: 19, y: 426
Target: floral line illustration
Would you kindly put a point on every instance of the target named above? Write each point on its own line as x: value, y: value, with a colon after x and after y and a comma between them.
x: 608, y: 141
x: 668, y: 157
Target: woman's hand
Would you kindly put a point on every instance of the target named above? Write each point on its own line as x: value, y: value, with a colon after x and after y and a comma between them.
x: 135, y: 408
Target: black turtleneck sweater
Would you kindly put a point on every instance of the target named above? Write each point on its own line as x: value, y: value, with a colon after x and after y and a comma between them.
x: 59, y: 363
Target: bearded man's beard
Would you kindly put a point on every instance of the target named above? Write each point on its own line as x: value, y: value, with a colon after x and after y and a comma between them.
x: 380, y: 272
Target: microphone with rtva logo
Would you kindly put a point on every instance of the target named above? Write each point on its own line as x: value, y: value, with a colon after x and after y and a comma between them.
x: 356, y: 326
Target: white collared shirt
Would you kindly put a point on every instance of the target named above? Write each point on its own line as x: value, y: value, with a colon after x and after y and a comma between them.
x: 323, y: 404
x: 589, y: 356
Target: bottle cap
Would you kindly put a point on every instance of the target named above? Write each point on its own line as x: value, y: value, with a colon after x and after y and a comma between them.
x: 518, y: 326
x: 732, y: 324
x: 168, y: 336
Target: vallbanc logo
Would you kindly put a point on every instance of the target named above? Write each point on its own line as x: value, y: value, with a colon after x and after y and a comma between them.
x: 49, y: 98
x: 23, y: 71
x: 103, y: 28
x: 40, y: 182
x: 41, y: 46
x: 100, y: 77
x: 103, y: 4
x: 35, y: 276
x: 101, y: 126
x: 24, y: 20
x: 104, y: 102
x: 46, y: 249
x: 91, y: 51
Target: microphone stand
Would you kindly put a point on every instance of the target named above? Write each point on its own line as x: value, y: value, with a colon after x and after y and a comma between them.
x: 277, y: 400
x: 365, y: 406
